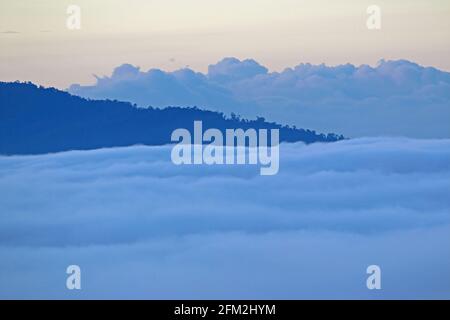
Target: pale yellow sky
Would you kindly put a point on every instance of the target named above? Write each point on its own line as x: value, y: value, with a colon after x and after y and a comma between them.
x: 35, y: 44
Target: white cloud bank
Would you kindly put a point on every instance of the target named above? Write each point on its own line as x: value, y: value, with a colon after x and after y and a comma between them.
x: 395, y: 98
x: 140, y: 227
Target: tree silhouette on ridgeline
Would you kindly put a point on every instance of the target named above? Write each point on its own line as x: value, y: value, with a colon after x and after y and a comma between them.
x: 36, y: 120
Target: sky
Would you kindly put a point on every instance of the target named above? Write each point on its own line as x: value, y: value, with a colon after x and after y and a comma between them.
x: 35, y: 44
x: 140, y: 227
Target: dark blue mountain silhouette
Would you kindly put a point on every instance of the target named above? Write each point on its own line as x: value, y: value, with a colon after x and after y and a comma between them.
x: 36, y: 120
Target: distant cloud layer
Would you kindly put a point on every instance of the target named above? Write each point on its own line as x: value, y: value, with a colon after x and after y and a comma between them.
x: 397, y: 98
x: 139, y: 226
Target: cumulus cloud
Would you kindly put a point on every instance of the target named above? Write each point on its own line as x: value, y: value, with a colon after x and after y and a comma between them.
x: 141, y: 227
x: 395, y: 98
x: 232, y: 69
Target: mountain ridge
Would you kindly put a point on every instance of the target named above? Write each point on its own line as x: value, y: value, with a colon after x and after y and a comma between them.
x: 36, y: 120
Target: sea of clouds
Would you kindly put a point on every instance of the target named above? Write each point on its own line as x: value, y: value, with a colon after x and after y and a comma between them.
x: 141, y: 227
x: 395, y: 98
